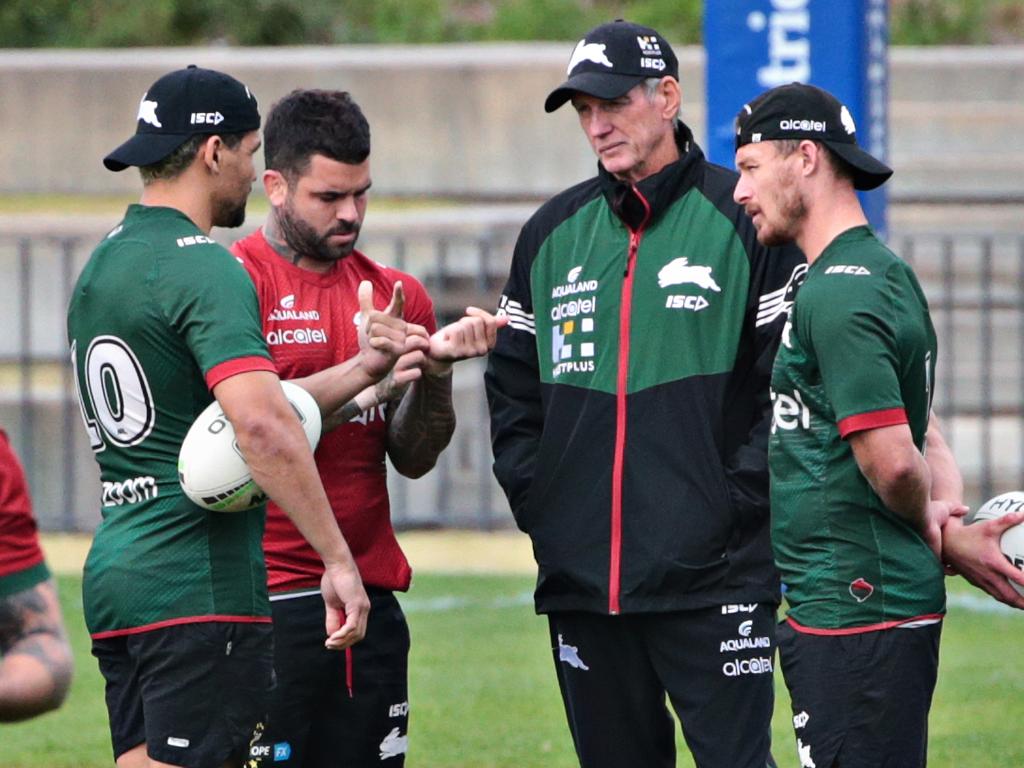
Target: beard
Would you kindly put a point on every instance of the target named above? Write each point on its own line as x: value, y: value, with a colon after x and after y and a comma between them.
x: 230, y: 213
x: 305, y: 241
x: 792, y: 211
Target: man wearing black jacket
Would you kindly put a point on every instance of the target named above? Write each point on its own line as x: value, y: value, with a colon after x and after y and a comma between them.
x: 630, y: 414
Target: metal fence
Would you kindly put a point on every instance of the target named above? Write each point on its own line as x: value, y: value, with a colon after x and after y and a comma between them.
x: 974, y: 282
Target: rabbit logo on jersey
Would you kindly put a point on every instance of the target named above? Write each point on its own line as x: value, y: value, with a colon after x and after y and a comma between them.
x: 681, y: 272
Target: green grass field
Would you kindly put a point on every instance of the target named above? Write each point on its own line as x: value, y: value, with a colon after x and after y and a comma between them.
x: 483, y: 694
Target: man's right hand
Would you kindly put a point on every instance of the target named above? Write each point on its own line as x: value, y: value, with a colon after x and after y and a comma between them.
x: 382, y: 333
x: 973, y: 551
x: 347, y: 605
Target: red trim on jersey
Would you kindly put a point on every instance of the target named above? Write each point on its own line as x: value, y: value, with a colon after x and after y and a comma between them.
x: 349, y: 673
x: 230, y: 368
x: 177, y: 622
x: 861, y: 630
x: 873, y: 420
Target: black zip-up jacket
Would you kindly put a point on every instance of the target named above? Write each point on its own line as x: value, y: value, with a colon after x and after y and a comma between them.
x: 629, y: 397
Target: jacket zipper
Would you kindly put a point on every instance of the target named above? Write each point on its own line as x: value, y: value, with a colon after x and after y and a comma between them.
x: 625, y: 310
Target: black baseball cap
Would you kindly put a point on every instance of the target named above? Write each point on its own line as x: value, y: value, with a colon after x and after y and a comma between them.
x: 181, y: 104
x: 613, y: 58
x: 801, y: 111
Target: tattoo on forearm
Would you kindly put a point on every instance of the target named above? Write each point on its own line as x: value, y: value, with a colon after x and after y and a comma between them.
x: 347, y: 412
x: 23, y: 614
x: 30, y: 625
x: 422, y: 425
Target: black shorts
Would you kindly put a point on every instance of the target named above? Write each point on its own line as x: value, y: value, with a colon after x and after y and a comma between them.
x: 715, y: 664
x: 861, y: 700
x: 193, y: 693
x: 333, y: 708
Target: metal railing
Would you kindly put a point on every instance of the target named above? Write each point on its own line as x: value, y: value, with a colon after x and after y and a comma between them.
x: 974, y: 282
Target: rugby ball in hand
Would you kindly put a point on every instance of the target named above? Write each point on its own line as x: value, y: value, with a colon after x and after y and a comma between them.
x: 1012, y: 541
x: 211, y: 469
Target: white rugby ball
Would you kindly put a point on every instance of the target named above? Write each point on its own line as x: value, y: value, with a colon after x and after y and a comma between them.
x: 211, y: 468
x: 1012, y: 541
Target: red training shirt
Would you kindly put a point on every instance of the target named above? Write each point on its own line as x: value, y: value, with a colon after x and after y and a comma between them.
x: 310, y: 323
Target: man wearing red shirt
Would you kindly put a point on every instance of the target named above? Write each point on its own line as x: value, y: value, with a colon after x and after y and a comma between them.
x: 326, y: 710
x: 35, y: 659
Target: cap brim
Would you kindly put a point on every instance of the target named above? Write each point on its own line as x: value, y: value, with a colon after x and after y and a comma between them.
x: 603, y: 85
x: 868, y: 172
x: 144, y: 149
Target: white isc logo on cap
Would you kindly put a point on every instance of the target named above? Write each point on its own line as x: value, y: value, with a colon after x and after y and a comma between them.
x: 206, y: 118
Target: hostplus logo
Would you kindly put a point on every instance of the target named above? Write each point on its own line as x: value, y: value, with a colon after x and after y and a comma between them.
x: 572, y: 339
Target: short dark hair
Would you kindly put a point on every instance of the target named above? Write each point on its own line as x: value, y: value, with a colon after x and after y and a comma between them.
x: 314, y: 122
x: 840, y: 167
x: 175, y: 163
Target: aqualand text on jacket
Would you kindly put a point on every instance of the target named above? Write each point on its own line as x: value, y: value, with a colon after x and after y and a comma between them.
x: 629, y: 394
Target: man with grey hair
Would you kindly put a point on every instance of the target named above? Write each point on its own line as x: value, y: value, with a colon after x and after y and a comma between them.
x: 629, y: 416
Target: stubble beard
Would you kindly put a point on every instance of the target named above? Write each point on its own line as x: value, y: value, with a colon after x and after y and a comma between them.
x: 230, y: 214
x: 792, y: 211
x: 306, y: 242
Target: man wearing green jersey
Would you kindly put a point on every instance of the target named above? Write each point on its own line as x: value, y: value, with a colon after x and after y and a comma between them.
x: 862, y: 485
x: 629, y: 423
x: 161, y: 321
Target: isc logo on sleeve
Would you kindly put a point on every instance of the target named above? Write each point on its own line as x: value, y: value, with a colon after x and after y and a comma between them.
x: 847, y: 269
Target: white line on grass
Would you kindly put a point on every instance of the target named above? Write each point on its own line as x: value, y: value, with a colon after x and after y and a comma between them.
x: 453, y: 603
x: 972, y: 603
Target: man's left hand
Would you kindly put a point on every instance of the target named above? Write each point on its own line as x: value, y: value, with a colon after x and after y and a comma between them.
x: 473, y: 335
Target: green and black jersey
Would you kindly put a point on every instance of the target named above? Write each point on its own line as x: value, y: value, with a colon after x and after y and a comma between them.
x: 159, y: 316
x: 629, y: 393
x: 858, y: 353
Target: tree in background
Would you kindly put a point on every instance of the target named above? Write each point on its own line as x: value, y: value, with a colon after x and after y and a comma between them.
x: 122, y: 23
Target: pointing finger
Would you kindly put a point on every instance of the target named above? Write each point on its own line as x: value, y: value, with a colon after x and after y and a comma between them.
x: 397, y: 305
x: 365, y: 295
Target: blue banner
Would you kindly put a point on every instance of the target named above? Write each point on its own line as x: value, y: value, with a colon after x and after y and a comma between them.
x: 838, y: 45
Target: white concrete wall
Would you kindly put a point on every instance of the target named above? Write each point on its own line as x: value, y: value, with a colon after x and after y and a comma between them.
x: 468, y: 121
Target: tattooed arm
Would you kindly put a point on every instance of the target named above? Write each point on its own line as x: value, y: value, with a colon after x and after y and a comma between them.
x: 35, y: 658
x: 422, y: 424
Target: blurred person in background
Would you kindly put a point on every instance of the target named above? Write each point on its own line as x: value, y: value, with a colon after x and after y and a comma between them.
x: 863, y: 486
x: 329, y: 710
x: 629, y: 417
x: 162, y: 321
x: 35, y: 658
